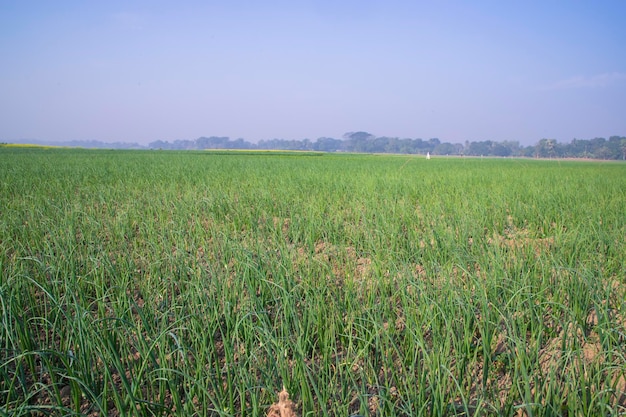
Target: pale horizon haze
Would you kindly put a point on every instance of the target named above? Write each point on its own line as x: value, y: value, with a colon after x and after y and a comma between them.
x: 142, y: 71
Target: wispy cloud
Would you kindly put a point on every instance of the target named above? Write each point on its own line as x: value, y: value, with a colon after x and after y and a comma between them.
x: 593, y: 81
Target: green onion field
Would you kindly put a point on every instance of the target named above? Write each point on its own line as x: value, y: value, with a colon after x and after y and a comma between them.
x: 200, y: 283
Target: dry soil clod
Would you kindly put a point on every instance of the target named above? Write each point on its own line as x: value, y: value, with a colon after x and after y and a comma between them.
x: 284, y: 408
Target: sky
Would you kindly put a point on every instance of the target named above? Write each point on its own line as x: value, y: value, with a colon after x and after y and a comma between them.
x: 141, y: 71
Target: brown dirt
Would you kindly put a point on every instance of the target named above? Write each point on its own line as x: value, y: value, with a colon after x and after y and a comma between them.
x: 519, y: 238
x: 284, y: 407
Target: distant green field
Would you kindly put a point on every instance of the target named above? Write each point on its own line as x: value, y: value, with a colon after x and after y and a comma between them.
x: 200, y: 283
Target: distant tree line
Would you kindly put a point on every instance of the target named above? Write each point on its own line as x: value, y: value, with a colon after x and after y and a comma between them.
x: 597, y: 148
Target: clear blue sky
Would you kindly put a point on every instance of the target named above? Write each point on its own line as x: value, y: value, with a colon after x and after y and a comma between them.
x: 140, y: 71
